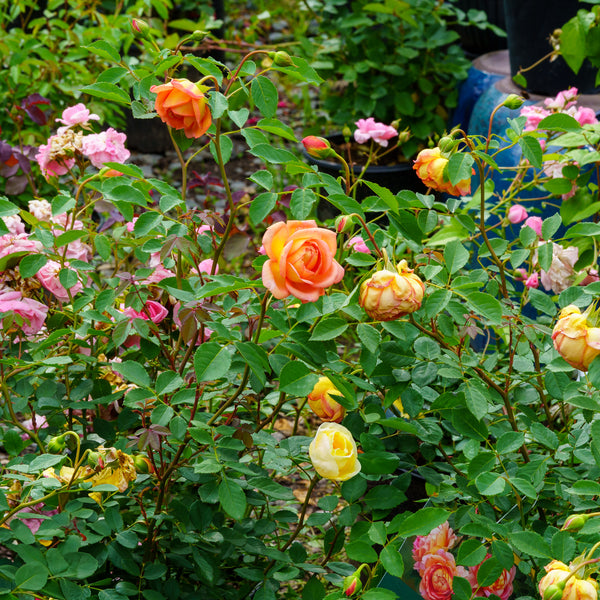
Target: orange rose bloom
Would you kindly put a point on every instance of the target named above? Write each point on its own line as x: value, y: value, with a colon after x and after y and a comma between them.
x: 182, y: 105
x: 301, y: 260
x: 322, y: 403
x: 389, y: 295
x: 575, y: 340
x: 430, y: 165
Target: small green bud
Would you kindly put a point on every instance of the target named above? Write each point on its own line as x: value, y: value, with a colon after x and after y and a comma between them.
x: 554, y: 591
x: 95, y: 460
x: 513, y: 101
x: 352, y: 584
x: 199, y: 35
x: 446, y: 144
x: 575, y: 522
x: 282, y: 59
x: 343, y: 223
x: 56, y: 444
x: 141, y: 29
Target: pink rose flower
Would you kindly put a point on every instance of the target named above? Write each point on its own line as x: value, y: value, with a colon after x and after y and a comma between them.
x: 502, y: 587
x: 152, y: 311
x: 585, y: 116
x: 358, y: 244
x: 439, y: 538
x: 51, y: 167
x: 517, y: 213
x: 561, y: 273
x: 534, y: 115
x: 36, y: 423
x: 369, y: 129
x: 14, y: 224
x: 65, y: 221
x: 77, y: 115
x: 532, y: 281
x: 205, y: 266
x: 31, y: 311
x: 36, y: 518
x: 11, y: 243
x: 535, y: 223
x: 79, y: 251
x: 131, y: 225
x: 437, y: 575
x: 563, y: 100
x: 159, y: 273
x: 108, y: 146
x: 40, y: 209
x: 48, y: 276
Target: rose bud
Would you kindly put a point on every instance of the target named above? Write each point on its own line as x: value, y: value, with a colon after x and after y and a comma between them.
x: 317, y: 147
x: 322, y: 403
x: 430, y: 166
x: 574, y: 522
x: 513, y: 101
x: 140, y: 29
x: 517, y: 213
x: 575, y: 339
x: 182, y: 104
x: 333, y: 452
x: 389, y: 295
x: 56, y: 444
x: 560, y: 584
x: 352, y: 584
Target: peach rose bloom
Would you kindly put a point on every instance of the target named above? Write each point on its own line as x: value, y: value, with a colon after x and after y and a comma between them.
x: 574, y: 339
x: 301, y: 260
x: 441, y: 537
x: 389, y: 295
x: 575, y: 589
x: 430, y: 165
x: 502, y: 587
x: 322, y: 403
x: 438, y: 573
x: 181, y: 104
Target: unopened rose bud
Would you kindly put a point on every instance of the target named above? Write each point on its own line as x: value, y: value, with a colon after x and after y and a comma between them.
x: 347, y: 132
x: 343, y: 223
x: 554, y: 591
x: 199, y: 35
x: 575, y: 522
x: 396, y: 124
x: 56, y: 444
x: 282, y: 59
x: 322, y: 401
x: 352, y: 584
x: 447, y: 144
x: 142, y: 464
x: 317, y: 147
x: 389, y: 295
x: 513, y: 101
x: 140, y: 29
x: 95, y: 460
x: 403, y: 137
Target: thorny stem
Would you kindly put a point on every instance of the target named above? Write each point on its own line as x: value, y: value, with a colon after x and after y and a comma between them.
x: 183, y: 164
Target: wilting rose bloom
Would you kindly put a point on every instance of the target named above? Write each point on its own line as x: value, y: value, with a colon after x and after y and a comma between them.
x: 574, y: 339
x: 40, y: 209
x: 369, y: 129
x: 430, y: 166
x: 11, y: 243
x: 333, y: 452
x: 14, y: 224
x: 389, y: 295
x: 535, y: 223
x: 181, y: 104
x: 502, y: 587
x: 77, y: 115
x: 575, y: 588
x: 441, y: 537
x: 301, y: 260
x: 107, y: 146
x: 48, y: 276
x: 517, y: 213
x: 561, y: 273
x: 358, y: 244
x: 31, y: 311
x: 317, y: 147
x: 437, y: 574
x: 50, y: 166
x: 322, y: 402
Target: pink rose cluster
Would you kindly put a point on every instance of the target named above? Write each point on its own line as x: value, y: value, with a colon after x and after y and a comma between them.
x: 564, y: 102
x: 437, y: 568
x: 369, y: 129
x: 58, y: 156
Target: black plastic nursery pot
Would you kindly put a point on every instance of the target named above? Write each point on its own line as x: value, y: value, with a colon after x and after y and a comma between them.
x: 529, y: 25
